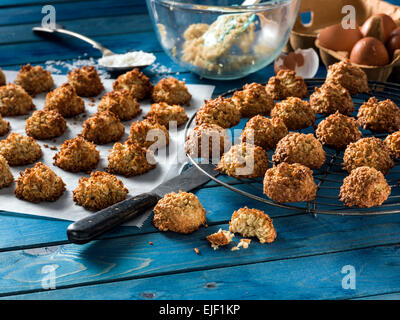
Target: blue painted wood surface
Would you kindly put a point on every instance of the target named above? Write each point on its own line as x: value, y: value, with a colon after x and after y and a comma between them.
x: 305, y: 262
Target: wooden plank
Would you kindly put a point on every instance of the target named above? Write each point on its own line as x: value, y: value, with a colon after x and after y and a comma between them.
x: 89, y: 27
x: 313, y: 277
x: 134, y: 257
x: 75, y: 10
x: 15, y: 3
x: 38, y: 231
x: 389, y: 296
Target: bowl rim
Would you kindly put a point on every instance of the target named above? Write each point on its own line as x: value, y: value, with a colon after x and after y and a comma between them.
x: 225, y: 9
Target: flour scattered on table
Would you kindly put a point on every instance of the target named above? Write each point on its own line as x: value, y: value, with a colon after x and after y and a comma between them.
x: 134, y: 58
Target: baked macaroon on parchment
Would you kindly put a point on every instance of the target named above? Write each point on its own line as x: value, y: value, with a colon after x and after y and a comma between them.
x: 86, y: 81
x: 147, y: 133
x: 20, y: 150
x: 171, y: 91
x: 45, y: 124
x: 179, y: 212
x: 34, y: 79
x: 14, y: 100
x: 121, y: 102
x: 6, y: 177
x: 65, y: 100
x: 136, y: 82
x: 164, y: 113
x: 4, y: 126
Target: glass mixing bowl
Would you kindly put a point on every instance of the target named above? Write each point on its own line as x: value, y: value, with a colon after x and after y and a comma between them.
x: 220, y: 39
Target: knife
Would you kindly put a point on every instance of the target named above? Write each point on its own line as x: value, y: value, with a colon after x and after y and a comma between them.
x: 87, y: 229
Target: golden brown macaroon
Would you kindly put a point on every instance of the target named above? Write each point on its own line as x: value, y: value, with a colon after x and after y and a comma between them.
x: 38, y: 184
x: 65, y: 100
x: 14, y: 100
x: 171, y: 91
x: 4, y: 126
x: 6, y: 177
x: 371, y: 152
x: 136, y: 82
x: 122, y: 102
x: 164, y: 113
x: 86, y: 81
x: 130, y: 159
x: 244, y: 161
x: 2, y: 78
x: 264, y: 132
x: 220, y: 238
x: 179, y: 212
x: 99, y: 191
x: 331, y: 97
x: 365, y: 187
x: 348, y: 76
x: 207, y: 141
x: 393, y: 142
x: 252, y: 100
x: 290, y: 183
x: 253, y: 223
x: 300, y: 148
x: 103, y: 127
x: 20, y: 150
x: 295, y: 113
x: 379, y: 116
x: 45, y: 124
x: 220, y: 111
x: 338, y: 130
x: 286, y: 84
x: 77, y: 155
x: 34, y: 79
x: 147, y: 133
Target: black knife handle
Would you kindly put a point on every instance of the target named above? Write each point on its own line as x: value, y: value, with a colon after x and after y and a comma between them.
x: 86, y: 229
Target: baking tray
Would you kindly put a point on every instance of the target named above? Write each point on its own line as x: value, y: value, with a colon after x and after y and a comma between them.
x: 330, y: 176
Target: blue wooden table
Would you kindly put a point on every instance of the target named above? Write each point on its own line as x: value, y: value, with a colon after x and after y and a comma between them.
x: 312, y: 258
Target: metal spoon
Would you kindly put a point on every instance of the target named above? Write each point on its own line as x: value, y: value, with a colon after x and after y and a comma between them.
x: 104, y: 51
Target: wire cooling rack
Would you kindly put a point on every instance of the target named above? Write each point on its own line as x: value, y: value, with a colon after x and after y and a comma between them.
x: 330, y: 176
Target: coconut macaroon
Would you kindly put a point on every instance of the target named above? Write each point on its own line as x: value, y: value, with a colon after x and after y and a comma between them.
x: 295, y: 113
x: 45, y: 124
x: 20, y: 150
x: 290, y: 183
x: 2, y: 78
x: 338, y: 130
x: 4, y: 126
x: 220, y: 111
x: 330, y: 98
x: 264, y: 132
x: 65, y: 100
x: 99, y: 191
x: 220, y: 238
x: 130, y: 159
x: 147, y: 133
x: 300, y: 148
x: 349, y: 76
x: 171, y: 91
x: 244, y: 161
x: 86, y: 81
x: 14, y: 100
x: 365, y: 187
x: 39, y: 184
x: 103, y: 127
x: 122, y: 102
x: 164, y: 113
x: 136, y: 82
x: 379, y: 116
x: 393, y: 142
x: 207, y: 141
x: 253, y: 223
x: 6, y: 177
x: 179, y: 212
x: 286, y: 84
x: 371, y: 152
x: 77, y: 155
x: 252, y: 100
x: 34, y: 79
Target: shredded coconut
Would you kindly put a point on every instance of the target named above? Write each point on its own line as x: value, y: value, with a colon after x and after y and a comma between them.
x: 134, y: 58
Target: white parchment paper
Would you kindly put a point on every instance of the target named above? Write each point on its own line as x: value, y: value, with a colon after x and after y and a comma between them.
x: 169, y: 160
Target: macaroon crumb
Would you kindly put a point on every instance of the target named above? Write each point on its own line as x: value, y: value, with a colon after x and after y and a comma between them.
x: 220, y: 238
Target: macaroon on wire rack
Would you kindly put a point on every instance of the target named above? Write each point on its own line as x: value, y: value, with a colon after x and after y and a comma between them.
x: 329, y: 177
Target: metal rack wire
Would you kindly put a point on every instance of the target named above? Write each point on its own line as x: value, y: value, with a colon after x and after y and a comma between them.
x: 330, y: 176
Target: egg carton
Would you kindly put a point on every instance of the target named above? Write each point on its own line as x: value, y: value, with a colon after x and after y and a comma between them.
x: 326, y: 13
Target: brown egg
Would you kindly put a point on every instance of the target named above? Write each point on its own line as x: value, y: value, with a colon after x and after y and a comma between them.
x: 378, y: 26
x: 369, y: 51
x: 395, y: 32
x: 393, y: 44
x: 336, y: 38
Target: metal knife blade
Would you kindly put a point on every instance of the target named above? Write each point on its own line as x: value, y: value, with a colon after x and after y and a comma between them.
x: 87, y: 229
